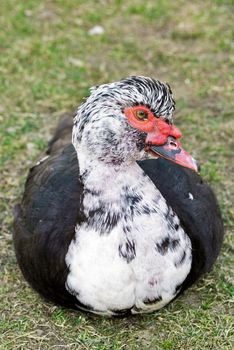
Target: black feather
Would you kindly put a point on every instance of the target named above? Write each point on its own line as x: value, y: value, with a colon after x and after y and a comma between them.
x: 45, y: 224
x: 200, y: 217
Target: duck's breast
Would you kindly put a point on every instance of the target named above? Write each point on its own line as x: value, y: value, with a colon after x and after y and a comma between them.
x: 140, y: 263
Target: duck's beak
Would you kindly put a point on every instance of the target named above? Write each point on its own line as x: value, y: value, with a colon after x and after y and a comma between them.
x: 173, y: 151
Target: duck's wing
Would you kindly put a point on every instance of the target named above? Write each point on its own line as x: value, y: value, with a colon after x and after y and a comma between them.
x: 196, y: 206
x: 45, y: 223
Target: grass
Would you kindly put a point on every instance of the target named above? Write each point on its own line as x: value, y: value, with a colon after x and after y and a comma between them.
x: 47, y: 62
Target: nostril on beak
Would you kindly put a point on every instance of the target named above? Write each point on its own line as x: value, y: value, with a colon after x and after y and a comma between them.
x: 173, y: 143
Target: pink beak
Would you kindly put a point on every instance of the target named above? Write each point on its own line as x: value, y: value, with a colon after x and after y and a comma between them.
x: 163, y: 142
x: 173, y: 151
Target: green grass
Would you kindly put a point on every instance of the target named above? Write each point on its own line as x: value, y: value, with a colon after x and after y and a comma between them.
x: 47, y: 63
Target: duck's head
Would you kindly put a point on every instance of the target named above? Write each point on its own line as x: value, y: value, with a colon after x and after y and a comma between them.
x: 127, y: 121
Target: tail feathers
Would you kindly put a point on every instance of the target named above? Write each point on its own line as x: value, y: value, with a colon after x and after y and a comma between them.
x: 62, y: 135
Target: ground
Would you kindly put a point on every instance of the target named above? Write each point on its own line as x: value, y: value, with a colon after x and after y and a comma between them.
x: 48, y: 60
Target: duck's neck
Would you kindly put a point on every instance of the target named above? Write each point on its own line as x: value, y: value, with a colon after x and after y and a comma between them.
x: 116, y: 194
x: 99, y: 176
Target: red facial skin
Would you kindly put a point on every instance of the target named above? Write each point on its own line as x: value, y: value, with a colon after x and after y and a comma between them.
x: 157, y: 129
x: 160, y: 136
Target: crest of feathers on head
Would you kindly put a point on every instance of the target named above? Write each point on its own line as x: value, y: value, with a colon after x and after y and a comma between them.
x: 131, y: 91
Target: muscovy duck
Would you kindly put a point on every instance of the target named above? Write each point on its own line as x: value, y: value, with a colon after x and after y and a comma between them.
x: 107, y: 224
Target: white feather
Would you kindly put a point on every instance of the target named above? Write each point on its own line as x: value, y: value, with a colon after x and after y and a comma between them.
x: 100, y: 277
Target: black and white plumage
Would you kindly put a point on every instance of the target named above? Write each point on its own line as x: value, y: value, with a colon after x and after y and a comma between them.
x: 104, y: 228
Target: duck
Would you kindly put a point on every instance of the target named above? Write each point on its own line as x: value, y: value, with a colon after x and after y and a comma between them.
x: 115, y: 219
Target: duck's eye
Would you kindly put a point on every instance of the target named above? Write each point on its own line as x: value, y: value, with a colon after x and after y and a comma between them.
x: 141, y: 115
